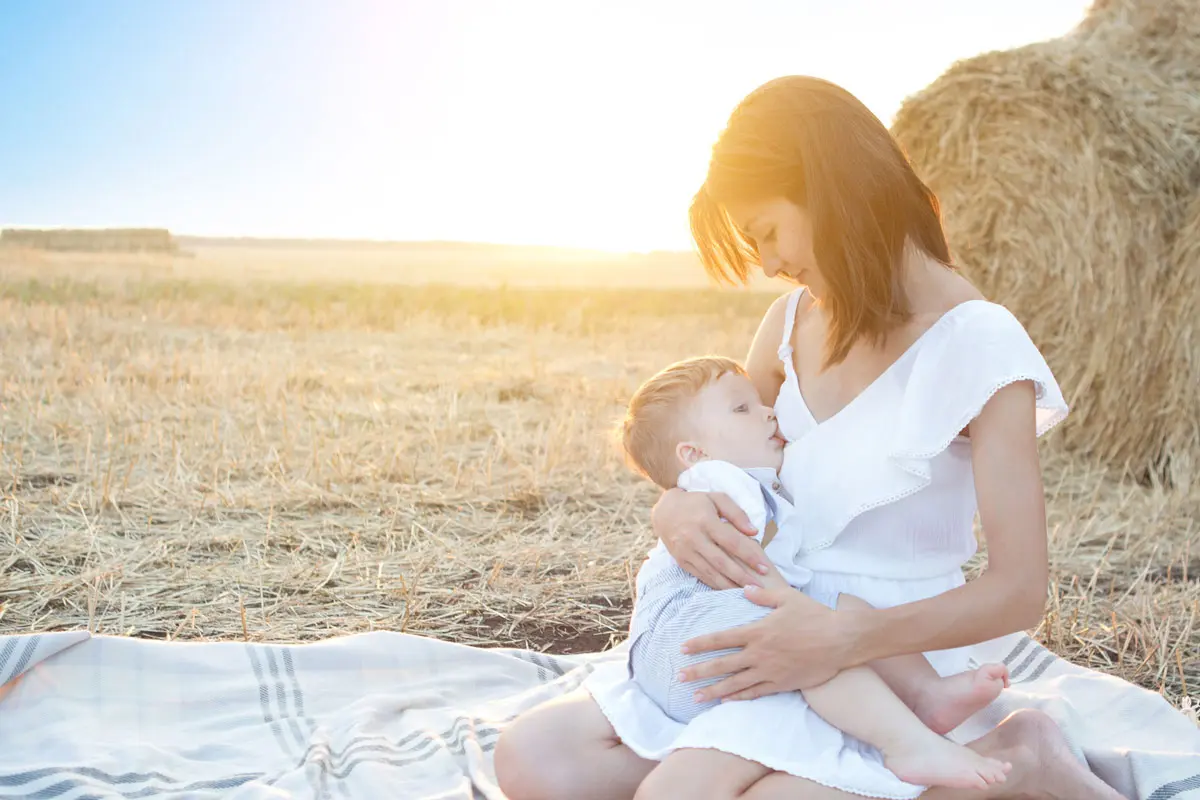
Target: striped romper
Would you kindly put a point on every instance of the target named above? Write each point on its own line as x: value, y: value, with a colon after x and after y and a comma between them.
x: 672, y: 606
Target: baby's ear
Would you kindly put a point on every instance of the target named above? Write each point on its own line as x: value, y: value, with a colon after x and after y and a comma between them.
x: 689, y: 453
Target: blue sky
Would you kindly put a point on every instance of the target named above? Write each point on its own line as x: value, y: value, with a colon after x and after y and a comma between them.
x: 527, y: 121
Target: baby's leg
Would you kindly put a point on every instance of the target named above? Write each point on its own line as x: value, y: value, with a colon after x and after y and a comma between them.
x: 566, y: 748
x: 941, y: 703
x: 859, y: 703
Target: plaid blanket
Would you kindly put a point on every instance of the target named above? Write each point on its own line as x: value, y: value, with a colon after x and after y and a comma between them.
x: 393, y: 715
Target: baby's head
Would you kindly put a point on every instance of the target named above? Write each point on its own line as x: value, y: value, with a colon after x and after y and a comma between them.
x: 695, y: 410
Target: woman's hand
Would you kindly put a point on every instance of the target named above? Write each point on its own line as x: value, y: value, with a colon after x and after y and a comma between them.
x: 799, y: 645
x: 709, y: 536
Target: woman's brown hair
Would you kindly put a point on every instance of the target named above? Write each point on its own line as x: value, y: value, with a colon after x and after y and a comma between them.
x: 815, y: 144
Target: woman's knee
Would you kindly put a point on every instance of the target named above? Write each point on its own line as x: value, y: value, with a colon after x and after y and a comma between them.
x: 544, y: 752
x: 511, y: 761
x: 530, y: 762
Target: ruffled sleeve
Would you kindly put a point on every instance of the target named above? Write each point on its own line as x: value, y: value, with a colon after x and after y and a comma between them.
x: 881, y: 448
x: 962, y: 366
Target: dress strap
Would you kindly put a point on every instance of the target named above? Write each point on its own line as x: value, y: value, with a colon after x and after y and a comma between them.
x: 789, y: 322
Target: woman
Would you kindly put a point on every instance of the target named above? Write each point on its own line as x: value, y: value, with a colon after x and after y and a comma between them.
x: 908, y: 402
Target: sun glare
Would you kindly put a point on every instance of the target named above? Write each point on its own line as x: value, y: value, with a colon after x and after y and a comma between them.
x: 535, y: 122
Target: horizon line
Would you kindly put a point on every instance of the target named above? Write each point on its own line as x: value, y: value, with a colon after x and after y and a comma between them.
x: 348, y: 240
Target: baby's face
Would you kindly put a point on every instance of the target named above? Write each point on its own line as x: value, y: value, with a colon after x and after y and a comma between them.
x: 728, y: 422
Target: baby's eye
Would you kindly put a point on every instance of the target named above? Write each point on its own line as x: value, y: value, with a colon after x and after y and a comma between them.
x: 742, y: 409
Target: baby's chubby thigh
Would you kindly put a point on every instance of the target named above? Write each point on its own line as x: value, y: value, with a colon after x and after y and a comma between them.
x: 655, y: 656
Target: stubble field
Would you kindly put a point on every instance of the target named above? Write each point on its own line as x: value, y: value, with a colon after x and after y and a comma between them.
x: 196, y: 453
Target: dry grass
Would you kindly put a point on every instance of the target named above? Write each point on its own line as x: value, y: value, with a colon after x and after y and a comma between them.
x: 190, y: 460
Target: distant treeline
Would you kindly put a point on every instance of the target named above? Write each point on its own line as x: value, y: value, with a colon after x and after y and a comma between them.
x: 96, y: 240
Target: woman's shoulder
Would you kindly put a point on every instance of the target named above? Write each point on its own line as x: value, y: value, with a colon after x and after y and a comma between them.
x: 788, y: 311
x: 981, y: 321
x: 778, y: 312
x: 772, y: 330
x: 960, y: 311
x: 764, y: 362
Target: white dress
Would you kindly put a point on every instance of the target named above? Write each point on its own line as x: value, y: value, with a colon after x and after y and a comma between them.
x: 885, y: 499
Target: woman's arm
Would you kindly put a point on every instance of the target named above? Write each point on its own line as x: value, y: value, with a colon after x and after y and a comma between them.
x: 707, y: 534
x: 1011, y: 594
x: 803, y: 644
x: 762, y: 362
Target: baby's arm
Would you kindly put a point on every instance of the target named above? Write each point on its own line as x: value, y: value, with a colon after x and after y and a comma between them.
x: 748, y: 496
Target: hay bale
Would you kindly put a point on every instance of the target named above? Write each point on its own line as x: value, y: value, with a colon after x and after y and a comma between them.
x: 1177, y: 388
x: 1064, y: 173
x: 1164, y: 35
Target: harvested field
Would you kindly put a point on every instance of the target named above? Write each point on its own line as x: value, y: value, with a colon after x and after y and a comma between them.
x: 209, y: 459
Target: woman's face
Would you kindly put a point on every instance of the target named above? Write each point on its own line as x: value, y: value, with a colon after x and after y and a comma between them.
x: 782, y: 232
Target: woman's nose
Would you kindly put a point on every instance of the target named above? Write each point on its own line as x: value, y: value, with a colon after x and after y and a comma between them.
x: 770, y: 267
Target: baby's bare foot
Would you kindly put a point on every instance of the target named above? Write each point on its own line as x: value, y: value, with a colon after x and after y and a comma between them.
x: 949, y: 701
x: 935, y: 761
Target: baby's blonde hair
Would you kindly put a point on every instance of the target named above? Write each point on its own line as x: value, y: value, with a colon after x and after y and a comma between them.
x: 651, y: 427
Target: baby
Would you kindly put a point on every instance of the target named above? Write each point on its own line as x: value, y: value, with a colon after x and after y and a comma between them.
x: 700, y: 425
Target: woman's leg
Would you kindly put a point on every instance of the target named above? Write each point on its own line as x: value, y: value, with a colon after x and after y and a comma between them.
x: 701, y: 774
x: 1043, y: 768
x: 566, y: 748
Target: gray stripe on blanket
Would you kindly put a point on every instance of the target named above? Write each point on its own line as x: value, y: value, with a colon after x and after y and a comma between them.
x: 6, y: 653
x: 91, y: 776
x: 1011, y: 657
x: 30, y: 645
x: 318, y: 779
x: 409, y: 750
x: 1035, y: 653
x: 543, y: 673
x: 453, y: 740
x: 1041, y: 667
x: 1175, y: 788
x: 543, y: 661
x: 264, y: 700
x: 289, y: 667
x: 398, y: 761
x: 281, y: 696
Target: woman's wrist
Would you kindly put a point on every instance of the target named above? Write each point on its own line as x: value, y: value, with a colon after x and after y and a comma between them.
x: 861, y: 627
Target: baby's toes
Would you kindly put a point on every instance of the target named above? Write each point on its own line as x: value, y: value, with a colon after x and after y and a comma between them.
x: 995, y: 672
x: 996, y: 772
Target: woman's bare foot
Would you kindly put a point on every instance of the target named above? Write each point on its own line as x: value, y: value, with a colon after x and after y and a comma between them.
x: 1043, y: 765
x: 934, y: 761
x: 947, y: 702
